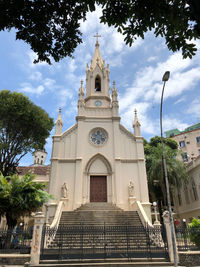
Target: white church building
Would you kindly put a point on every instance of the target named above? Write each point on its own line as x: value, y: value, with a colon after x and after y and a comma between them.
x: 98, y: 159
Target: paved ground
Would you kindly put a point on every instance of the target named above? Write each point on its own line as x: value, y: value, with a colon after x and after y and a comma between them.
x: 23, y: 266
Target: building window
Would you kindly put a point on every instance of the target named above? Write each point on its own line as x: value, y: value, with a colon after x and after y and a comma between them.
x: 185, y: 157
x: 186, y: 195
x: 98, y: 84
x: 199, y: 151
x: 198, y: 139
x: 182, y: 144
x: 179, y: 199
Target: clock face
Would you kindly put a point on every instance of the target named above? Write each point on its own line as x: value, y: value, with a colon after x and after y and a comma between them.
x: 98, y: 136
x: 98, y: 103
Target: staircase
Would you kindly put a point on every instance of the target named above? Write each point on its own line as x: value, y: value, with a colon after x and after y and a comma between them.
x: 98, y: 214
x: 103, y: 232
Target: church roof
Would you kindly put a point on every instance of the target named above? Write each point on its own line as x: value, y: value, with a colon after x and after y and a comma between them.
x: 35, y: 169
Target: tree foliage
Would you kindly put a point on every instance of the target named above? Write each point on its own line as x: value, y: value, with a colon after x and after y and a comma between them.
x: 20, y: 196
x: 176, y: 169
x: 23, y: 128
x: 194, y: 230
x: 52, y: 28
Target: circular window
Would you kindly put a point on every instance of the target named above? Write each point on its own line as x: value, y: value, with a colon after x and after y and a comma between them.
x: 98, y: 136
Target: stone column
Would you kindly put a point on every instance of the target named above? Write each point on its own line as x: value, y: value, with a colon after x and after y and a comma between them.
x: 37, y: 237
x: 167, y: 224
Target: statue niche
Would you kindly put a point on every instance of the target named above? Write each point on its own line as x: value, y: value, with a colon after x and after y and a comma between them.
x: 97, y: 83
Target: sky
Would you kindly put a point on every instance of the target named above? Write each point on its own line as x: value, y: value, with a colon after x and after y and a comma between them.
x: 137, y: 71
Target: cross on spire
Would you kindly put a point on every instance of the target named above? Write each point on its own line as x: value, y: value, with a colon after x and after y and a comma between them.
x: 97, y: 35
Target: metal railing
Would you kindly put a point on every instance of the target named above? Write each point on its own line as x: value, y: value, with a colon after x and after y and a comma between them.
x: 187, y: 238
x: 104, y: 241
x: 17, y: 240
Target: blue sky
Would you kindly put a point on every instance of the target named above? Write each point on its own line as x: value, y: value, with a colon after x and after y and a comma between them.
x: 137, y: 71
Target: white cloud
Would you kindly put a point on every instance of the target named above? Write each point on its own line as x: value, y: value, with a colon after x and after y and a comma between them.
x: 28, y: 88
x: 63, y: 96
x: 35, y: 76
x: 150, y: 59
x: 50, y: 83
x: 172, y: 123
x: 194, y: 108
x: 91, y: 22
x: 180, y: 100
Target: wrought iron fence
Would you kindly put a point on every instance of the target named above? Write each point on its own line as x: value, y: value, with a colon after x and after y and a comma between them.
x: 187, y: 238
x: 103, y: 241
x: 16, y: 240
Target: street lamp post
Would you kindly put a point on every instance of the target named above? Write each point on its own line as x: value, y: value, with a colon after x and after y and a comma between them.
x: 165, y: 79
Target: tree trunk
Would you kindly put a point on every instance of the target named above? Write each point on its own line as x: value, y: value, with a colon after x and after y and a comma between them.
x: 11, y: 224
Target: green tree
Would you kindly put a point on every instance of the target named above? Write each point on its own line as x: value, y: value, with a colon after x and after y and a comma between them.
x: 23, y: 128
x: 194, y: 231
x: 52, y: 28
x: 20, y: 197
x: 176, y: 169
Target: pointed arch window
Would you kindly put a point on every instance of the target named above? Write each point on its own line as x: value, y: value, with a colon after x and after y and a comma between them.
x: 98, y: 83
x: 194, y: 190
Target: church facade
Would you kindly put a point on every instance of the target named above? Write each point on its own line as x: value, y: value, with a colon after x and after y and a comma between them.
x: 98, y: 159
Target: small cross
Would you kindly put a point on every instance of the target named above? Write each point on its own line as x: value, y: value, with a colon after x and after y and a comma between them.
x: 97, y: 35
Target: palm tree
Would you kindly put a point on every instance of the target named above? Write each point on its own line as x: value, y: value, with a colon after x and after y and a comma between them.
x: 19, y: 197
x: 176, y: 170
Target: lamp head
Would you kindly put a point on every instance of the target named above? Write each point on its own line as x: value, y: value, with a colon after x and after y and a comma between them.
x: 165, y: 77
x: 154, y: 204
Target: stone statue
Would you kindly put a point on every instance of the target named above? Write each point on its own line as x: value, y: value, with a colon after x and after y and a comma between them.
x: 131, y: 189
x: 64, y: 191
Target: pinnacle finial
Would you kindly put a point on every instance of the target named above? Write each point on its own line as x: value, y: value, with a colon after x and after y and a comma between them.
x: 59, y: 124
x: 136, y: 121
x: 81, y: 83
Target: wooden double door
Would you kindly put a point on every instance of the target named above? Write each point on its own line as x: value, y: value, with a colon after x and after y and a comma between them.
x: 98, y: 189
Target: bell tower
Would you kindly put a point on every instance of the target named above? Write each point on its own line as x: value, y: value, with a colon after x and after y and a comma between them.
x: 97, y: 81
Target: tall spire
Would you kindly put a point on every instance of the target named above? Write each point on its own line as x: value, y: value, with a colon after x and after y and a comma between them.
x: 97, y: 59
x: 59, y: 124
x: 136, y: 125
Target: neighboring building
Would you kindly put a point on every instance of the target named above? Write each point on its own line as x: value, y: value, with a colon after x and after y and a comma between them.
x: 187, y: 202
x: 98, y: 159
x: 38, y: 168
x: 41, y: 172
x: 187, y: 199
x: 188, y: 141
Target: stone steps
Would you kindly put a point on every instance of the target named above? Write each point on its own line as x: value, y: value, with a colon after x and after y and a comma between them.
x: 102, y: 231
x: 98, y: 214
x: 99, y: 206
x: 136, y: 262
x: 94, y: 216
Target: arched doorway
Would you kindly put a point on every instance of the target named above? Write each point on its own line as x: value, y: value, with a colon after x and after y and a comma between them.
x: 98, y: 180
